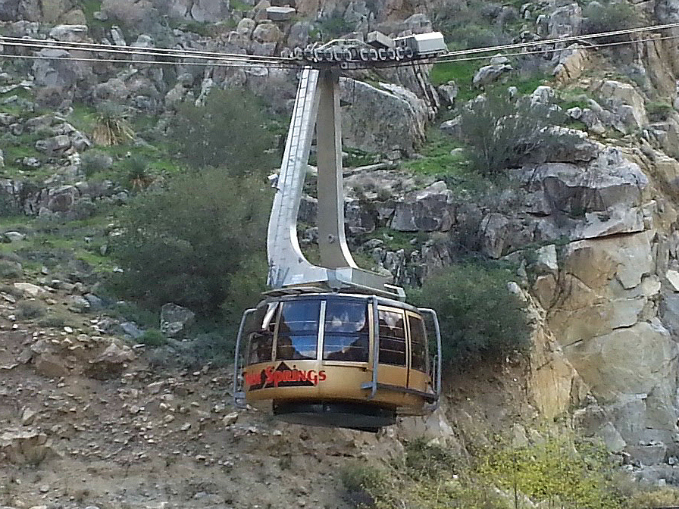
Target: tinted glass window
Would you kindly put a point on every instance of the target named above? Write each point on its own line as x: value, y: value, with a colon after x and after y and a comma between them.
x: 418, y: 344
x: 298, y: 330
x: 261, y: 339
x: 392, y: 338
x: 346, y: 336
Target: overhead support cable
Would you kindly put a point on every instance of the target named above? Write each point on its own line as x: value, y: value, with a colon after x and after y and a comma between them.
x: 558, y: 40
x: 88, y: 46
x: 220, y: 59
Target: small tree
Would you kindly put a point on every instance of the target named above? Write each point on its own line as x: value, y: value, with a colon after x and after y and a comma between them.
x: 479, y: 316
x: 609, y: 17
x: 227, y: 132
x: 505, y: 133
x: 188, y: 243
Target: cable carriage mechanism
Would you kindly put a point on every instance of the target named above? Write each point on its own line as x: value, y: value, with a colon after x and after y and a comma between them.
x: 330, y: 344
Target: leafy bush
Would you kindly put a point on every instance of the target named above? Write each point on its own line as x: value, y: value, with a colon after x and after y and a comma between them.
x: 366, y: 484
x: 335, y: 26
x: 425, y: 460
x: 609, y: 17
x: 55, y: 321
x: 29, y: 309
x: 186, y: 243
x: 654, y: 497
x: 557, y: 470
x: 504, y: 133
x: 10, y: 269
x: 93, y: 162
x: 659, y: 111
x: 470, y: 24
x: 479, y: 316
x: 227, y: 132
x: 153, y: 337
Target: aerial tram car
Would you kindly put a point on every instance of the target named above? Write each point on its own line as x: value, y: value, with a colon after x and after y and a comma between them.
x: 330, y: 344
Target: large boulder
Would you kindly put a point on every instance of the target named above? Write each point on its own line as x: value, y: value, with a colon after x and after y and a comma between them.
x: 427, y: 210
x: 174, y: 319
x: 383, y: 120
x: 626, y: 104
x: 26, y: 447
x: 565, y: 21
x: 570, y: 63
x: 607, y: 182
x: 489, y: 73
x: 113, y: 360
x: 60, y: 74
x: 204, y: 11
x: 9, y: 10
x: 210, y: 11
x: 69, y: 33
x: 267, y: 33
x: 54, y: 145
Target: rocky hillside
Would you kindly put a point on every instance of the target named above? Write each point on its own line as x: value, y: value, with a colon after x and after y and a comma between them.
x: 590, y: 227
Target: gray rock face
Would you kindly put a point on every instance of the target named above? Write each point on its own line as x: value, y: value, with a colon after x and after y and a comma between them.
x: 60, y: 74
x: 427, y: 210
x: 53, y: 146
x: 267, y: 33
x: 111, y: 362
x: 69, y: 33
x: 204, y: 11
x: 565, y: 21
x: 26, y: 447
x: 174, y: 319
x: 609, y: 180
x: 626, y: 104
x: 448, y: 93
x: 210, y: 11
x: 9, y: 10
x: 490, y: 73
x: 570, y: 63
x: 368, y: 110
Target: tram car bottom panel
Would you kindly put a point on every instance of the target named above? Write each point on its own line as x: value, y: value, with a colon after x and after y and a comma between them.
x: 351, y: 415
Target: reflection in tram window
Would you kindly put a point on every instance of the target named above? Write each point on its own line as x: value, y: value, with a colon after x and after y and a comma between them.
x: 261, y: 341
x: 346, y: 333
x: 392, y: 338
x: 260, y: 347
x: 298, y: 330
x: 418, y: 344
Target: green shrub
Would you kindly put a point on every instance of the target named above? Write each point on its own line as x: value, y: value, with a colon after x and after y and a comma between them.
x: 153, y: 337
x: 659, y: 111
x: 504, y: 133
x: 55, y: 321
x: 335, y: 26
x: 651, y: 498
x: 216, y: 348
x: 29, y: 309
x: 227, y: 132
x: 479, y: 316
x: 10, y: 269
x: 609, y: 17
x: 558, y: 471
x: 431, y: 461
x: 470, y: 24
x: 138, y: 176
x: 93, y: 162
x: 367, y: 484
x: 186, y: 243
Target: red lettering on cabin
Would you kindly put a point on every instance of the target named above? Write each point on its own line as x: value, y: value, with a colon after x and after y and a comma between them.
x: 270, y: 377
